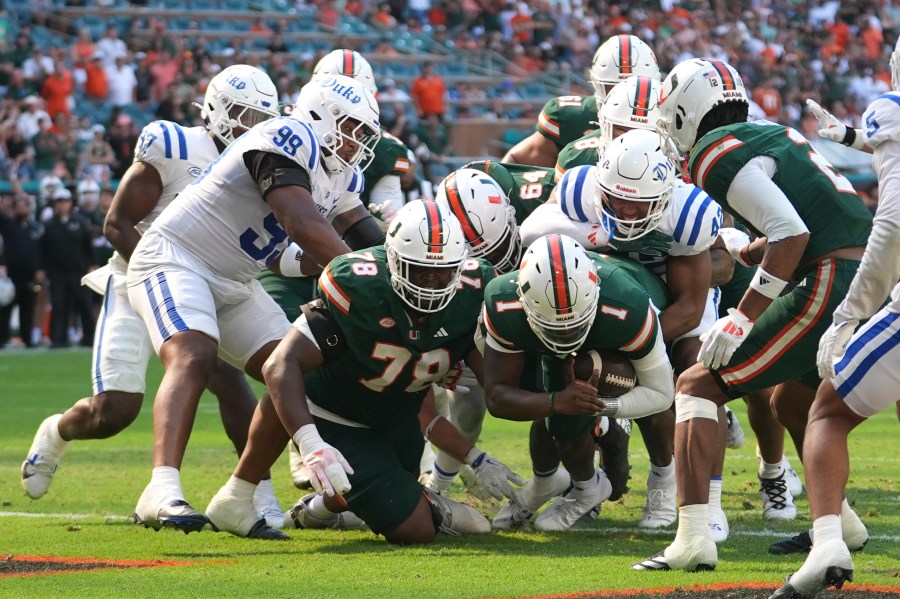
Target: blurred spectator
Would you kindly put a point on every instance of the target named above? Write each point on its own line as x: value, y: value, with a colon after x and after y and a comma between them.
x: 768, y: 98
x: 418, y: 10
x: 163, y: 68
x: 389, y: 92
x: 111, y: 47
x: 98, y: 157
x: 48, y: 149
x: 382, y: 17
x: 83, y: 48
x: 143, y: 93
x: 68, y: 254
x: 428, y: 91
x: 37, y: 67
x: 327, y: 14
x: 58, y: 89
x: 96, y: 84
x: 122, y: 83
x: 259, y: 26
x: 21, y: 259
x: 122, y: 137
x: 434, y: 134
x: 384, y: 47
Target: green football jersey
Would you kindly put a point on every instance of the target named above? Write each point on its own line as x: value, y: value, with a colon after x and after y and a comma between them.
x: 391, y: 157
x: 585, y: 150
x: 527, y: 187
x: 566, y: 118
x: 389, y: 361
x: 625, y: 319
x: 823, y: 198
x: 288, y: 292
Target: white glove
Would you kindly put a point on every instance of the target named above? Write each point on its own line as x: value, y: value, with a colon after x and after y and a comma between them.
x: 832, y: 346
x: 735, y: 240
x: 493, y: 476
x: 725, y: 336
x: 326, y: 466
x: 450, y: 382
x: 831, y: 127
x: 385, y: 211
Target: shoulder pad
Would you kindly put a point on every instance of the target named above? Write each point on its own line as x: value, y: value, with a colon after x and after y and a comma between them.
x: 576, y: 191
x: 161, y: 141
x: 697, y: 219
x: 289, y: 137
x: 356, y: 181
x: 882, y: 119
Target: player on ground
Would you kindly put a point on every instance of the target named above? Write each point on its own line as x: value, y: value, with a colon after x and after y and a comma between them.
x: 562, y: 300
x: 859, y: 369
x: 192, y: 276
x: 390, y: 321
x: 567, y: 118
x: 812, y: 229
x: 167, y: 159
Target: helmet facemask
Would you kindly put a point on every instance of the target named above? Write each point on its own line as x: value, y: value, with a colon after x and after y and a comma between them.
x: 240, y: 118
x: 347, y: 133
x: 425, y: 299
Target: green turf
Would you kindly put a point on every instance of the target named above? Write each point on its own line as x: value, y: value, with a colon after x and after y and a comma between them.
x: 104, y: 479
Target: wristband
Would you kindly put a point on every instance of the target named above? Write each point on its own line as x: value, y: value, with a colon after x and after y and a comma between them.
x: 745, y: 258
x: 475, y: 457
x: 854, y: 139
x: 551, y: 400
x: 308, y: 440
x: 767, y: 284
x: 289, y: 263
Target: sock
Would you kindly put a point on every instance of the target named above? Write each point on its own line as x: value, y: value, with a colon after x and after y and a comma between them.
x: 238, y: 488
x: 440, y: 479
x: 581, y: 487
x: 59, y: 444
x: 767, y: 470
x: 827, y: 528
x: 850, y: 522
x: 264, y: 494
x: 715, y: 493
x: 168, y: 478
x: 316, y: 508
x: 693, y: 522
x: 662, y: 472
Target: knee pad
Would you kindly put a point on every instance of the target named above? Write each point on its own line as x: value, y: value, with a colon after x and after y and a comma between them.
x: 688, y: 407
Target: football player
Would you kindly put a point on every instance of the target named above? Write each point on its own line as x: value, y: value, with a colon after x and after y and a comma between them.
x: 858, y: 367
x: 567, y: 118
x: 633, y: 202
x: 631, y: 104
x: 561, y: 300
x: 191, y: 277
x: 350, y: 378
x: 812, y: 229
x: 167, y: 159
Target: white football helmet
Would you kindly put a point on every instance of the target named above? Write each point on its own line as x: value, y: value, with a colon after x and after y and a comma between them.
x: 48, y: 187
x: 424, y: 235
x: 7, y: 291
x: 341, y: 111
x: 88, y: 193
x: 557, y: 284
x: 487, y: 219
x: 349, y: 63
x: 895, y: 66
x: 690, y: 91
x: 236, y: 99
x: 633, y: 104
x: 617, y: 59
x: 634, y: 167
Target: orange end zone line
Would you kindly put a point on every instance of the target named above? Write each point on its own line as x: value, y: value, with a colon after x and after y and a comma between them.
x: 107, y: 564
x: 722, y: 586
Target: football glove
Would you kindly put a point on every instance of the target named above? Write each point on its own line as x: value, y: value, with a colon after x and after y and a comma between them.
x: 725, y: 336
x: 492, y: 476
x: 735, y: 240
x: 835, y: 130
x: 450, y: 382
x: 385, y: 211
x: 326, y: 466
x: 655, y: 243
x: 832, y: 346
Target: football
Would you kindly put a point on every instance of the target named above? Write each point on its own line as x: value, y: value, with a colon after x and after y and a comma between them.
x: 617, y: 374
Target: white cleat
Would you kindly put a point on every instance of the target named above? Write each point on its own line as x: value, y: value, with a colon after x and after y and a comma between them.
x: 43, y: 459
x: 827, y: 565
x: 735, y: 439
x: 456, y: 518
x: 718, y: 525
x: 660, y: 509
x: 299, y: 517
x: 516, y: 512
x: 777, y: 501
x: 155, y: 512
x: 696, y: 555
x: 227, y: 513
x: 791, y: 478
x: 564, y: 512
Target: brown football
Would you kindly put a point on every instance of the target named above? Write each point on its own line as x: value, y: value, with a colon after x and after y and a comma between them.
x: 617, y: 374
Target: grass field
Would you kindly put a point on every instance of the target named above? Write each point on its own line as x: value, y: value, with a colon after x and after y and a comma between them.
x: 85, y: 516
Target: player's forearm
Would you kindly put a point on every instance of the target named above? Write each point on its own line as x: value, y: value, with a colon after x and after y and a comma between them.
x: 722, y: 267
x: 655, y: 390
x: 681, y: 317
x: 778, y: 265
x: 878, y: 272
x: 513, y: 403
x: 122, y: 236
x: 318, y: 240
x: 284, y: 383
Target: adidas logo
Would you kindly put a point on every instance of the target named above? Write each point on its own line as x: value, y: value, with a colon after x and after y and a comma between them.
x: 441, y: 333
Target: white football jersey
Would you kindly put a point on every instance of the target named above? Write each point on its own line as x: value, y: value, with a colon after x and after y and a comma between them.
x: 692, y: 218
x: 179, y: 154
x: 223, y: 221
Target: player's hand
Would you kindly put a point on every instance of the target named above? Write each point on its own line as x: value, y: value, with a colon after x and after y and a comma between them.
x: 735, y: 240
x: 494, y: 478
x: 385, y: 211
x: 832, y: 346
x: 725, y: 336
x: 579, y: 397
x: 830, y: 127
x: 450, y: 382
x: 655, y: 243
x: 327, y: 468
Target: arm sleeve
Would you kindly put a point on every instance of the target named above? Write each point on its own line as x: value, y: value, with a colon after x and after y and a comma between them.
x: 548, y: 218
x: 755, y: 196
x: 655, y: 390
x: 880, y: 268
x: 387, y: 189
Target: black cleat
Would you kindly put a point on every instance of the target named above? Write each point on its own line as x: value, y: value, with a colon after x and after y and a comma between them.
x: 802, y: 543
x: 614, y: 453
x: 261, y: 530
x: 835, y: 576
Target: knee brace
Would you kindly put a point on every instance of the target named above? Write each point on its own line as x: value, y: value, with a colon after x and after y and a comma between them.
x: 688, y: 406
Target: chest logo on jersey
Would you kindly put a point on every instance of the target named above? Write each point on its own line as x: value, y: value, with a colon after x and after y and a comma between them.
x: 414, y: 335
x: 387, y: 322
x: 195, y: 171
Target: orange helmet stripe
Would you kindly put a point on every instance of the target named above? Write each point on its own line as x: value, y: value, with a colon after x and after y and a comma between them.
x: 625, y: 54
x: 433, y: 217
x: 560, y: 277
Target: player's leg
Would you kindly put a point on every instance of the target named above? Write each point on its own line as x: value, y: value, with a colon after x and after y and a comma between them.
x: 121, y: 352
